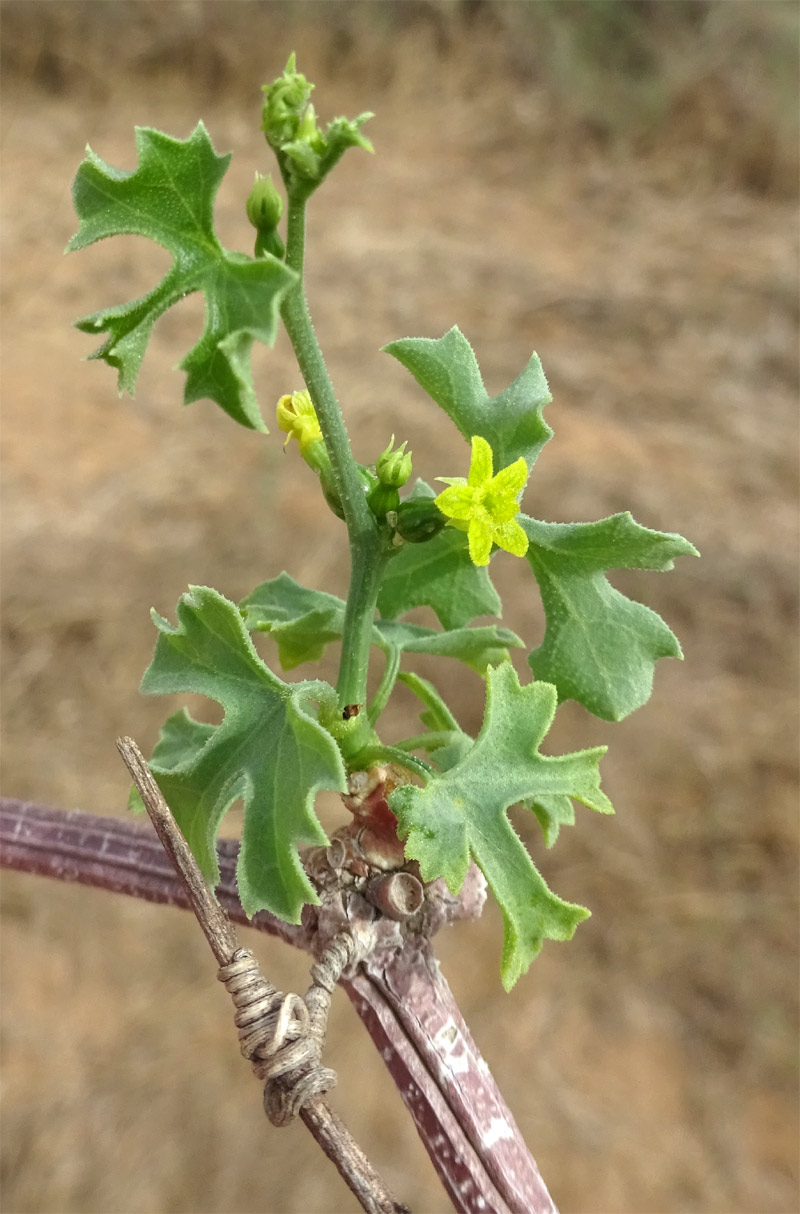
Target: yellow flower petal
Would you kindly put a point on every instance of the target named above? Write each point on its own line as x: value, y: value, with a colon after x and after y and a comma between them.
x: 511, y: 537
x: 457, y: 502
x: 482, y: 464
x: 480, y: 541
x: 512, y: 479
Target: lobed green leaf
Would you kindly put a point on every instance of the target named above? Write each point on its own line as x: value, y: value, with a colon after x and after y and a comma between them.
x: 300, y: 621
x: 461, y: 814
x: 169, y: 198
x: 599, y: 648
x: 304, y: 621
x: 511, y: 422
x: 478, y: 648
x: 270, y: 751
x: 449, y: 744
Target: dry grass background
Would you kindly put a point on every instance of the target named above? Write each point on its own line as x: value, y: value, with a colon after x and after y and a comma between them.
x: 613, y: 184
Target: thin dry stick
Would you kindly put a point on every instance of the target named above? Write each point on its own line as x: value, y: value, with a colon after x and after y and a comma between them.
x: 325, y: 1126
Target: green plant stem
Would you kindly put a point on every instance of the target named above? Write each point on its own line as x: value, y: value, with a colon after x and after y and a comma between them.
x: 388, y: 680
x: 297, y: 319
x: 425, y: 741
x: 369, y: 563
x: 369, y: 549
x: 392, y: 754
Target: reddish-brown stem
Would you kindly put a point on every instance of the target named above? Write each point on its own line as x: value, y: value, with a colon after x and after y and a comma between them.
x: 405, y: 1005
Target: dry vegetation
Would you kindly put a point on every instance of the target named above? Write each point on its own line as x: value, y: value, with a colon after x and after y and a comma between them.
x: 614, y: 185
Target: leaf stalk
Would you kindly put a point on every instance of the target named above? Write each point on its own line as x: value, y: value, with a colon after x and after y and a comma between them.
x: 386, y: 686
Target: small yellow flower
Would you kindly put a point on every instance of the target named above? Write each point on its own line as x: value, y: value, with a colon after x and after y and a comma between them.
x: 298, y: 418
x: 486, y: 506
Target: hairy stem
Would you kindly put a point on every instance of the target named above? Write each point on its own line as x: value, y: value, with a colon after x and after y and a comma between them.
x: 369, y: 563
x: 425, y: 741
x: 393, y: 754
x: 369, y: 550
x: 297, y: 319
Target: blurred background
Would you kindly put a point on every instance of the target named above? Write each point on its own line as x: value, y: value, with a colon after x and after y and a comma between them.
x: 612, y: 183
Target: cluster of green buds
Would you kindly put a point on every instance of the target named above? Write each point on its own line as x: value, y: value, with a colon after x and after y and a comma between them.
x: 285, y: 102
x: 264, y: 210
x: 412, y: 520
x: 305, y: 154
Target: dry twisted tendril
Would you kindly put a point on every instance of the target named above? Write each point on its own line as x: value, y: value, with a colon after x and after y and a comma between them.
x: 282, y: 1035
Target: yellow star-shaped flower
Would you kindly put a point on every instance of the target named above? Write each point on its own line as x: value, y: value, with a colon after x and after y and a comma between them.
x: 486, y: 506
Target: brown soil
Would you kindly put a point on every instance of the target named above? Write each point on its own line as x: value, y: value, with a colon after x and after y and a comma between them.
x: 651, y: 1062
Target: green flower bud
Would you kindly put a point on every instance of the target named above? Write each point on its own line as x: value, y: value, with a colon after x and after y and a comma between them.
x: 394, y: 467
x: 419, y: 519
x: 285, y: 101
x: 308, y: 131
x: 264, y: 208
x: 382, y: 499
x: 264, y: 205
x: 305, y: 161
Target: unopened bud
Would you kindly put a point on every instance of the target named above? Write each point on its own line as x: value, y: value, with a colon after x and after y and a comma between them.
x: 305, y: 153
x: 383, y: 500
x: 264, y: 205
x: 284, y: 102
x: 419, y: 519
x: 308, y: 131
x: 394, y: 467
